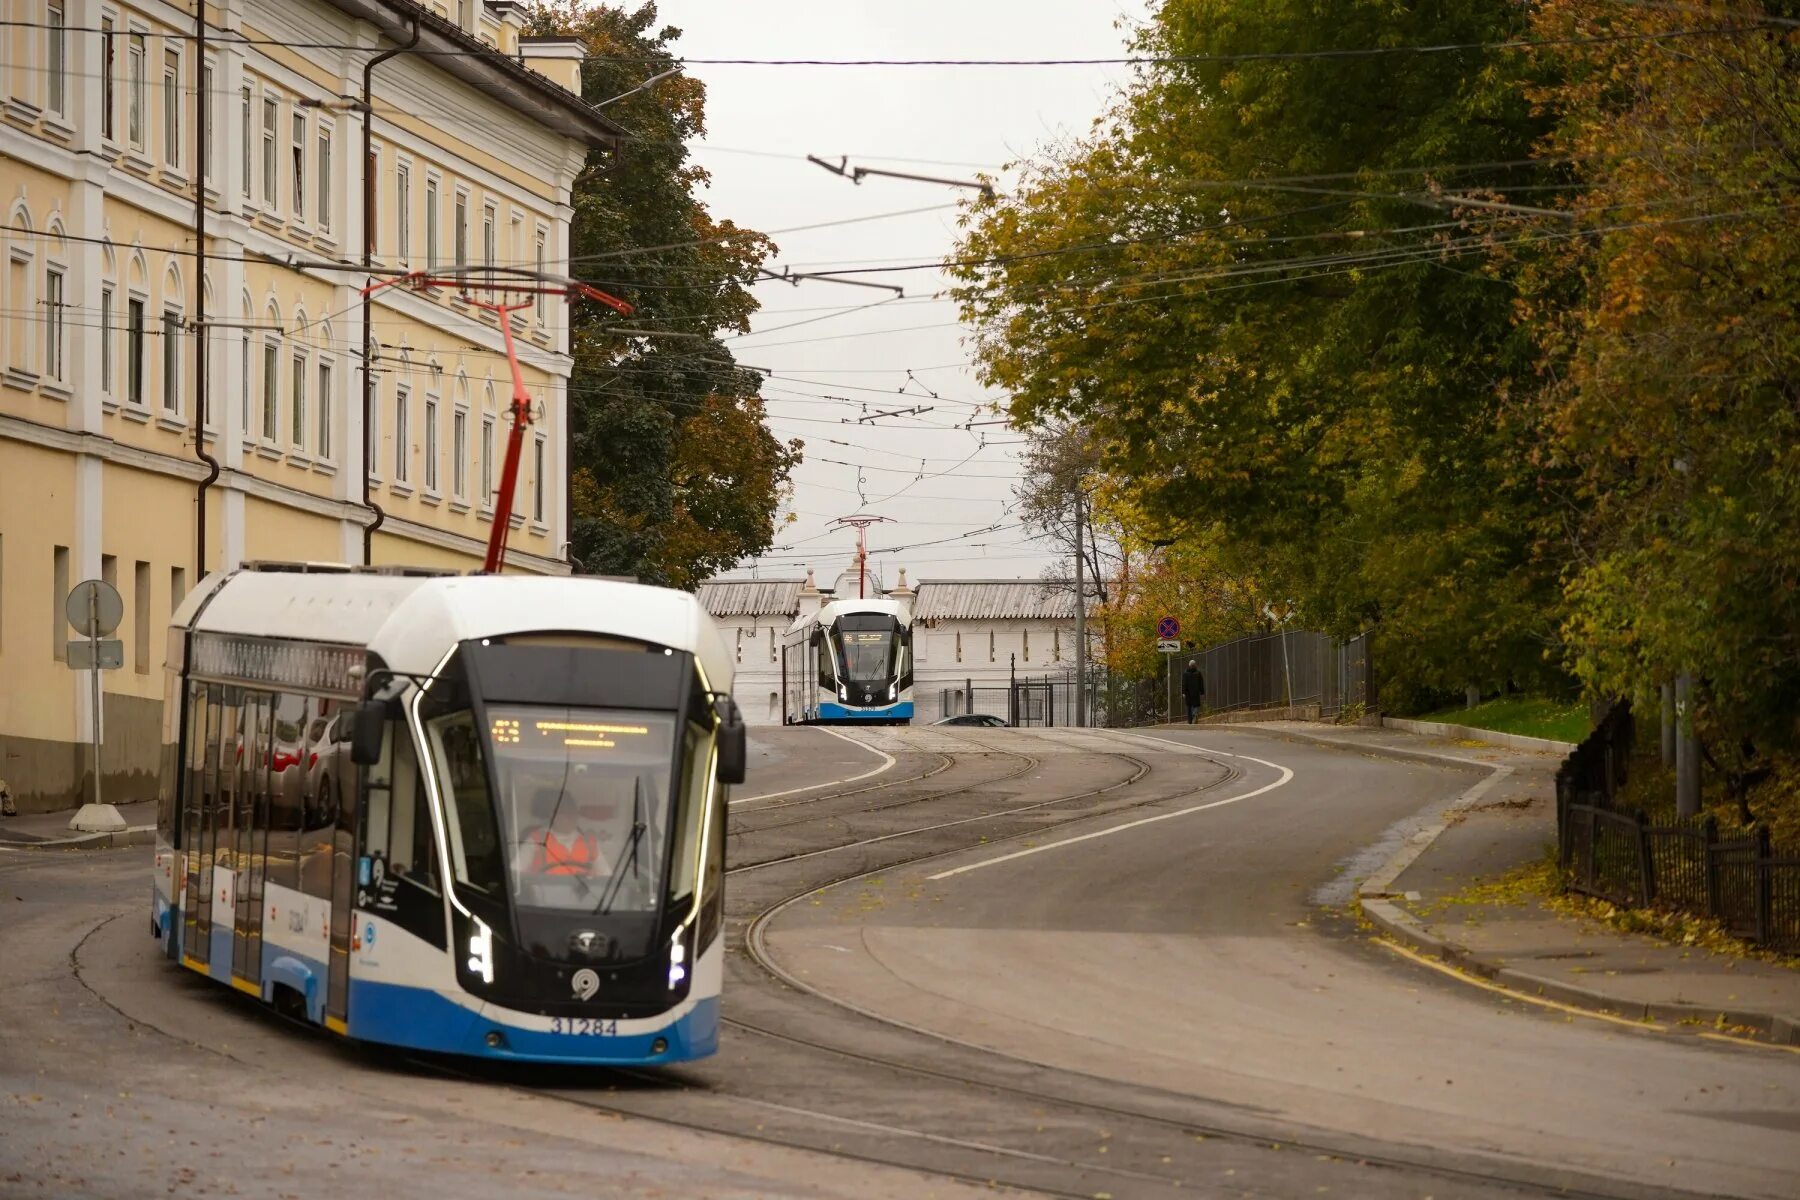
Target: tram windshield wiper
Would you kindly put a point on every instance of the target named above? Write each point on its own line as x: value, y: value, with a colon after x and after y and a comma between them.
x: 638, y: 826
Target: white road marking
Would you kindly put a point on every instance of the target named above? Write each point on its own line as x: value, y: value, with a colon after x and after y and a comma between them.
x: 1286, y: 775
x: 888, y: 761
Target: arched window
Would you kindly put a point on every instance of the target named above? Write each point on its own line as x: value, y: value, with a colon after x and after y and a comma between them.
x: 268, y: 382
x: 56, y: 306
x: 325, y: 397
x: 402, y: 424
x: 21, y: 293
x: 299, y: 429
x: 246, y: 365
x: 107, y: 335
x: 459, y: 440
x: 488, y: 425
x: 171, y: 327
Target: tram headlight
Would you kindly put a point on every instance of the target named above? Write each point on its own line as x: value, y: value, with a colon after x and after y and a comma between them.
x: 678, y: 966
x: 481, y: 951
x: 844, y: 692
x: 894, y: 690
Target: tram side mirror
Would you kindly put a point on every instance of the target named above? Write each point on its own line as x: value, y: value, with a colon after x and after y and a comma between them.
x: 367, y: 729
x: 734, y: 749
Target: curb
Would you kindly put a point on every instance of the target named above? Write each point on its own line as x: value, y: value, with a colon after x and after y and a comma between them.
x: 1372, y: 900
x: 1468, y: 733
x: 135, y: 835
x: 1407, y: 929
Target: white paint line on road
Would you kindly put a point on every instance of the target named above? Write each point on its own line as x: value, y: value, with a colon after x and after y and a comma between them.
x: 1286, y: 775
x: 888, y: 761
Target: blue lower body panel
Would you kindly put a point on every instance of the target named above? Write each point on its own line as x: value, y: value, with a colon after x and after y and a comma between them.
x: 424, y: 1020
x: 902, y: 711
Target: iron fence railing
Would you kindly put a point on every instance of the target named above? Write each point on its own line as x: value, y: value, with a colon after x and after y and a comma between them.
x: 1751, y: 888
x: 1049, y: 700
x: 1295, y: 668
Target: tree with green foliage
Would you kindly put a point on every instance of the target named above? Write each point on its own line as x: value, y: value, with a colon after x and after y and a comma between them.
x: 1262, y: 286
x: 675, y: 476
x: 1672, y: 377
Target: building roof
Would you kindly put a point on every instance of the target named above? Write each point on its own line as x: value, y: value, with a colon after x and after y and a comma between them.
x: 993, y: 599
x: 482, y: 67
x: 752, y: 597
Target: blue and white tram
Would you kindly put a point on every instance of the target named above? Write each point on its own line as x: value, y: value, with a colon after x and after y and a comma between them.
x: 849, y: 662
x: 476, y: 815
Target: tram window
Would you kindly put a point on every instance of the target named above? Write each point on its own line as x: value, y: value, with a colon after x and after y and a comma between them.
x: 398, y: 815
x: 826, y: 676
x: 474, y: 827
x: 696, y: 778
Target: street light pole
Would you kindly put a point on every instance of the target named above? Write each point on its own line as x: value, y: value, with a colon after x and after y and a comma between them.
x: 1080, y: 619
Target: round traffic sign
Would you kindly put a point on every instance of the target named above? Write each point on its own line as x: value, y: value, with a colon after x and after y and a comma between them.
x: 1168, y: 627
x: 94, y: 608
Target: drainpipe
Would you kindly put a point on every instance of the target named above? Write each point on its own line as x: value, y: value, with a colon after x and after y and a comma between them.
x: 368, y: 258
x: 201, y: 337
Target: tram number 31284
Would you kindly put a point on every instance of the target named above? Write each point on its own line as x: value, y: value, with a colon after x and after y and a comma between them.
x: 584, y: 1026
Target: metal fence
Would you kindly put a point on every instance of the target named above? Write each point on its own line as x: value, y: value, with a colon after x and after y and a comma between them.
x: 1290, y: 669
x: 1046, y: 701
x: 1751, y: 888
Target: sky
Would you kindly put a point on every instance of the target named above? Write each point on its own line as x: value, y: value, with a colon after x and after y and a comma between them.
x: 937, y: 479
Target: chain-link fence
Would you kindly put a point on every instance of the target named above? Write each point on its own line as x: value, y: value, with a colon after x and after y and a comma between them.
x: 1273, y: 670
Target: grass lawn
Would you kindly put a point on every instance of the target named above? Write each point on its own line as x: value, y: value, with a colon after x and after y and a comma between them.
x: 1528, y: 715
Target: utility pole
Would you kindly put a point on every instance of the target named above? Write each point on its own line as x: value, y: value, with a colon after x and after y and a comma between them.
x: 202, y: 334
x: 1080, y: 619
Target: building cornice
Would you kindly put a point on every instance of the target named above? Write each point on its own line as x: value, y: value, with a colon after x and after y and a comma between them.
x: 466, y: 57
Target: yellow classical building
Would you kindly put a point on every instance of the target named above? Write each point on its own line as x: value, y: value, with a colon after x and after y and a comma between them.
x: 115, y: 462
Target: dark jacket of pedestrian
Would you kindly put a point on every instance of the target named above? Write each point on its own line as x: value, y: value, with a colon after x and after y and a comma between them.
x: 1193, y: 685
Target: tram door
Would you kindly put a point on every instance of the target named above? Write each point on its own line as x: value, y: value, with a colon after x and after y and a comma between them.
x: 199, y: 810
x: 343, y: 877
x: 249, y: 831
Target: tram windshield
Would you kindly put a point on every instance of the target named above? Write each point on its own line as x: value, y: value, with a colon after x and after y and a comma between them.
x: 582, y: 807
x: 867, y: 644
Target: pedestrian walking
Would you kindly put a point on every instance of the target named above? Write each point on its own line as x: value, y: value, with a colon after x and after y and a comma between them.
x: 1193, y: 690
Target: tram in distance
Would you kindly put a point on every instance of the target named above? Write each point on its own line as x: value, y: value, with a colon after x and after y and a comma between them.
x: 478, y: 815
x: 850, y: 662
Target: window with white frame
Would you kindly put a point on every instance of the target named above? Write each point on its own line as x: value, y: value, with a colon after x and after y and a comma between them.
x: 298, y: 153
x: 402, y: 211
x: 325, y: 410
x: 324, y: 173
x: 137, y: 89
x: 246, y: 105
x: 134, y: 349
x: 459, y: 454
x: 171, y: 102
x: 431, y: 443
x: 297, y: 402
x: 271, y: 391
x: 432, y: 217
x: 171, y: 337
x: 21, y: 279
x: 460, y: 229
x: 542, y: 308
x: 372, y: 419
x: 538, y: 481
x: 487, y: 461
x: 487, y: 238
x: 108, y: 69
x: 56, y: 60
x: 244, y: 427
x: 53, y: 323
x: 402, y: 402
x: 212, y: 121
x: 271, y: 170
x: 106, y: 339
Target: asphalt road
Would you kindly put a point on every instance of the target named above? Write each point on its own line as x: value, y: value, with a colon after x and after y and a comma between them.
x: 1144, y: 998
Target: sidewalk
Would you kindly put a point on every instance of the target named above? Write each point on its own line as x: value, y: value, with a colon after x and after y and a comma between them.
x: 1435, y: 893
x: 50, y: 831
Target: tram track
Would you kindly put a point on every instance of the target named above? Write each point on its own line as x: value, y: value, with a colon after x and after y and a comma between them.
x: 1182, y: 1143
